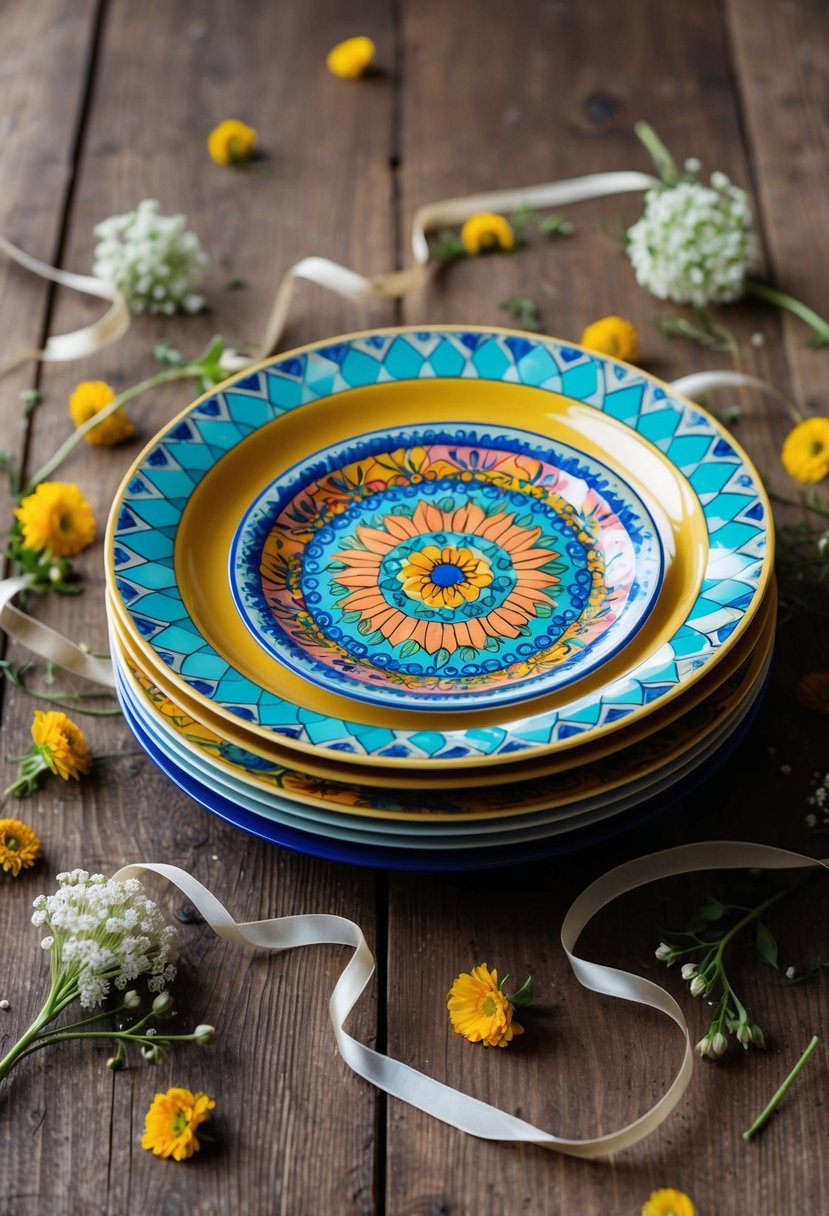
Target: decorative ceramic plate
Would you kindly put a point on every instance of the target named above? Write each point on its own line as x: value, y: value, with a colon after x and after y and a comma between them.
x: 633, y: 770
x: 180, y: 500
x: 304, y: 775
x: 445, y: 567
x: 339, y: 845
x: 458, y: 834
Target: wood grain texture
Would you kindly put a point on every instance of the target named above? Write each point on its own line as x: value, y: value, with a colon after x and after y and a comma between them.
x: 467, y: 96
x: 295, y: 1129
x: 549, y: 93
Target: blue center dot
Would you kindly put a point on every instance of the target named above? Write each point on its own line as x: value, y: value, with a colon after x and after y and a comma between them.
x: 446, y: 574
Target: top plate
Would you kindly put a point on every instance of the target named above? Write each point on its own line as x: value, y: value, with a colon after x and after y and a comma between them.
x: 702, y: 492
x: 447, y: 567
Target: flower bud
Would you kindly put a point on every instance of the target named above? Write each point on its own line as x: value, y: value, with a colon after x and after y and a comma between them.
x: 131, y: 999
x: 204, y: 1034
x: 163, y: 1003
x: 719, y: 1044
x: 152, y: 1053
x: 663, y: 952
x: 698, y: 986
x: 117, y: 1061
x: 689, y: 970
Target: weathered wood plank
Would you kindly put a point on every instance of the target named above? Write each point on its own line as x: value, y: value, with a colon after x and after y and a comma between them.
x: 551, y: 92
x: 295, y: 1128
x: 784, y: 103
x: 42, y: 77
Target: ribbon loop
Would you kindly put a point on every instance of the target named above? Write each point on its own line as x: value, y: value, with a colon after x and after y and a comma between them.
x: 442, y: 1101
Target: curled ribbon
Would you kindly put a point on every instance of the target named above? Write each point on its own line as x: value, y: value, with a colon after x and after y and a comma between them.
x: 442, y: 1101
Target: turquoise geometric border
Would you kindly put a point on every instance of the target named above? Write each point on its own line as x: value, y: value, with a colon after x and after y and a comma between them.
x: 149, y: 505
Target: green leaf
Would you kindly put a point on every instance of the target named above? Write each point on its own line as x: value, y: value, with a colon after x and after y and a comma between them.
x: 766, y: 946
x: 449, y: 246
x: 442, y: 657
x: 365, y: 628
x: 524, y: 311
x: 467, y: 654
x: 492, y: 644
x: 556, y: 225
x: 409, y: 648
x: 351, y: 618
x: 524, y: 995
x: 543, y: 610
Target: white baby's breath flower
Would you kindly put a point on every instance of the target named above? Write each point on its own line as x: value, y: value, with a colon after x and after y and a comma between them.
x: 105, y: 932
x: 152, y: 258
x: 694, y: 244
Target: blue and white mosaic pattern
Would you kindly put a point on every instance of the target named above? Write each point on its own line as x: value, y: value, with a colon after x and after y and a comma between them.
x: 149, y: 507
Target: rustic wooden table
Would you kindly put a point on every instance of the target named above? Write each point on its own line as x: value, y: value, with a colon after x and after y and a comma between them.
x: 106, y: 102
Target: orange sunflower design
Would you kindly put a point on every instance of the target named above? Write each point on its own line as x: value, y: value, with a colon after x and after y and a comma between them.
x: 447, y: 576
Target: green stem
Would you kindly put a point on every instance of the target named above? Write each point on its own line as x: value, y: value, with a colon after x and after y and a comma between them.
x: 764, y: 1117
x: 663, y: 161
x: 772, y: 295
x: 53, y: 1005
x: 746, y: 920
x: 163, y: 377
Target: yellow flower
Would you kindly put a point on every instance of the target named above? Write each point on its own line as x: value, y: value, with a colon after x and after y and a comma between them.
x: 89, y: 398
x: 813, y: 691
x: 231, y: 142
x: 487, y: 231
x: 171, y: 1122
x: 351, y: 58
x: 19, y: 847
x: 445, y: 578
x: 57, y: 518
x: 61, y: 743
x: 805, y: 453
x: 669, y: 1202
x: 612, y: 336
x: 479, y: 1010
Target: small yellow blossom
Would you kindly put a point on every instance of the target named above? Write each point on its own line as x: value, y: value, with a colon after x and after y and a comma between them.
x: 479, y: 1010
x: 171, y: 1122
x: 668, y: 1202
x: 56, y: 518
x: 19, y: 846
x: 487, y: 231
x: 231, y: 142
x: 612, y: 336
x: 89, y: 398
x: 805, y: 452
x: 813, y: 691
x: 61, y: 743
x: 351, y: 59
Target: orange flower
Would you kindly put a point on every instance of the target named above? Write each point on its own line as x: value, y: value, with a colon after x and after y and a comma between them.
x: 90, y: 398
x: 172, y: 1121
x: 480, y: 1011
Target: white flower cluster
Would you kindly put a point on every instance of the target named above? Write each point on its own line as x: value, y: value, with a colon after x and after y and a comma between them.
x: 105, y: 931
x: 151, y: 258
x: 694, y: 244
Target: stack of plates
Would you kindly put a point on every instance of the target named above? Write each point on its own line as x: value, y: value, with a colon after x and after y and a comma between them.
x: 439, y: 599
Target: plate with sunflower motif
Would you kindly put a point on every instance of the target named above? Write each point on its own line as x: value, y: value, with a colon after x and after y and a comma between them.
x: 446, y: 568
x: 192, y: 485
x: 633, y: 769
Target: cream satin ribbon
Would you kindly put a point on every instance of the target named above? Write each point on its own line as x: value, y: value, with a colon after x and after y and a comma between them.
x: 442, y: 1101
x: 80, y: 343
x: 448, y: 212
